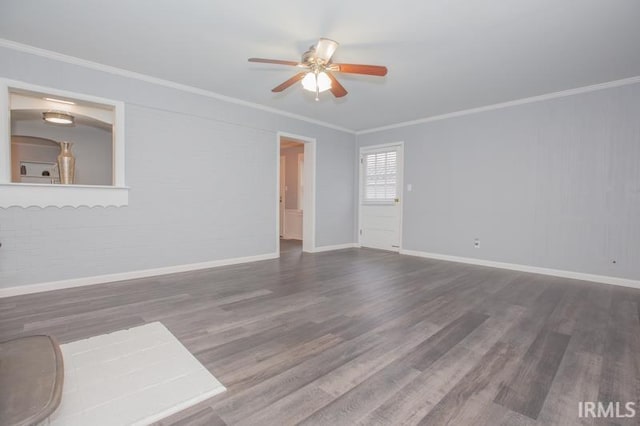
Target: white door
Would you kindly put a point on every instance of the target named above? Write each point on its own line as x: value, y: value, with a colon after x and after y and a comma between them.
x: 283, y: 192
x: 380, y: 196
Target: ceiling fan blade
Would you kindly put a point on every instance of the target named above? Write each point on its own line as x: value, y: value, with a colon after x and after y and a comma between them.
x: 360, y: 69
x: 274, y: 61
x: 325, y: 49
x: 336, y: 88
x: 293, y: 80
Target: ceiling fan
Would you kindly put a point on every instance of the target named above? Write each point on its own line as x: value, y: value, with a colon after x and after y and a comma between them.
x: 317, y: 75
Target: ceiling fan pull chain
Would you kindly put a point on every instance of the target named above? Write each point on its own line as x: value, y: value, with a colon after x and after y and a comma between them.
x: 317, y: 87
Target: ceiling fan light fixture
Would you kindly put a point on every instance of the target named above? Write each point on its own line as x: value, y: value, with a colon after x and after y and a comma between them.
x: 56, y: 117
x: 319, y: 82
x: 324, y: 82
x: 309, y: 82
x: 325, y: 49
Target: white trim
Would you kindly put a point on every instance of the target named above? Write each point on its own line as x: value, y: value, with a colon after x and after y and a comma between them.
x: 278, y: 217
x: 624, y: 282
x: 380, y: 146
x: 336, y: 247
x: 282, y: 193
x: 190, y: 89
x: 300, y: 182
x: 132, y: 275
x: 14, y: 194
x: 539, y: 98
x: 159, y: 81
x: 309, y: 209
x: 5, y: 132
x: 118, y: 160
x: 309, y: 202
x: 50, y: 195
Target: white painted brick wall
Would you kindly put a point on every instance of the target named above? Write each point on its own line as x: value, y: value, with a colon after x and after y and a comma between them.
x: 202, y: 174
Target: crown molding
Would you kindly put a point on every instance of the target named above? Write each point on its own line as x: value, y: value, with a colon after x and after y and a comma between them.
x: 191, y: 89
x: 539, y: 98
x: 49, y: 54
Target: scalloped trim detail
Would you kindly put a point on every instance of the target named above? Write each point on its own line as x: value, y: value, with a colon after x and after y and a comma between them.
x: 43, y: 196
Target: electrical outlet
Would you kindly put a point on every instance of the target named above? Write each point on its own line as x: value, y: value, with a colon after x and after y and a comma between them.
x: 476, y: 243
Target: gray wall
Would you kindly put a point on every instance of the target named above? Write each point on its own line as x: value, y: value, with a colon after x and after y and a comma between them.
x: 291, y: 175
x: 202, y: 174
x: 552, y: 184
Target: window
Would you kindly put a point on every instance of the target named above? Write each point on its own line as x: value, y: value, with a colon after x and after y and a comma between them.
x: 380, y: 181
x: 40, y: 124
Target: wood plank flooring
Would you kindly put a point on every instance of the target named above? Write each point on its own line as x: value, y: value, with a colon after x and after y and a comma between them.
x: 368, y: 337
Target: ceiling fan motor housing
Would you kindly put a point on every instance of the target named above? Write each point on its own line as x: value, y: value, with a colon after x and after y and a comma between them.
x: 309, y: 57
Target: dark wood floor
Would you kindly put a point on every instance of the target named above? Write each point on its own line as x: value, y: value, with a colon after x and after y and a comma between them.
x: 367, y: 337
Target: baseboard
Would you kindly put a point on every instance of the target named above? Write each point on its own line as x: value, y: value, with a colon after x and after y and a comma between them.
x: 624, y: 282
x: 335, y: 247
x: 292, y: 237
x: 101, y: 279
x: 122, y: 276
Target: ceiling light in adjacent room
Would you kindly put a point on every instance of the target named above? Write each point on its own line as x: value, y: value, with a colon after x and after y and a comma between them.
x: 56, y: 117
x: 61, y: 101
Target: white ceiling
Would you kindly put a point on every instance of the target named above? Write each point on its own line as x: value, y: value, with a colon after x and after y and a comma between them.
x: 443, y: 55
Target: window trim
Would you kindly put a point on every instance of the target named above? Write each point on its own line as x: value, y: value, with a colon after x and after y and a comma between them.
x: 44, y: 195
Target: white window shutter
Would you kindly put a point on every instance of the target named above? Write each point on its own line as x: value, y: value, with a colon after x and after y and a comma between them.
x: 380, y: 177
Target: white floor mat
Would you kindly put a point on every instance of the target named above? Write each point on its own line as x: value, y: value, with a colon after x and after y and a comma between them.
x: 130, y: 377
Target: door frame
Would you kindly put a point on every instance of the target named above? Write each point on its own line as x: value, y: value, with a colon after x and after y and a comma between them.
x: 282, y: 194
x: 363, y: 148
x: 309, y: 202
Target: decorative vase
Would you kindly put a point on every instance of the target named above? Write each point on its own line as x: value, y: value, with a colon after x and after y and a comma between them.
x: 66, y: 163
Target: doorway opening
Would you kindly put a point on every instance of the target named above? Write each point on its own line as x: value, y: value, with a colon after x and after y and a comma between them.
x: 296, y: 193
